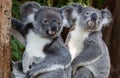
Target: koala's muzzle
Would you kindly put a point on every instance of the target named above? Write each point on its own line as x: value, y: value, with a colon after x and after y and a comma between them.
x: 94, y: 16
x: 92, y: 23
x: 53, y: 28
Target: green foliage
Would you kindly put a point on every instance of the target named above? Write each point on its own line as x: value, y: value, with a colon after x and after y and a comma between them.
x: 15, y: 8
x: 99, y: 3
x: 59, y: 3
x: 17, y: 49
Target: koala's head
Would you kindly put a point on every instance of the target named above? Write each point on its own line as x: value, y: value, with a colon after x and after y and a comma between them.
x: 70, y: 13
x: 89, y: 18
x: 46, y: 21
x: 93, y: 19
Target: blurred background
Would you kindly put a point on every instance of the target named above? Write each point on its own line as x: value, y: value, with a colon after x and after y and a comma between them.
x: 111, y: 34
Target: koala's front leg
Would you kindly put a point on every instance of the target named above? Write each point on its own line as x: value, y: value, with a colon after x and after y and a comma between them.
x: 41, y: 68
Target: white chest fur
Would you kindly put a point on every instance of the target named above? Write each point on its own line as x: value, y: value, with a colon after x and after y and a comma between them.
x: 35, y: 45
x: 75, y: 44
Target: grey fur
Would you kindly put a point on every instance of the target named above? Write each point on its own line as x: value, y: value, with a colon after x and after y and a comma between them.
x: 16, y: 25
x: 27, y: 9
x: 17, y: 70
x: 92, y: 61
x: 56, y: 53
x: 57, y: 56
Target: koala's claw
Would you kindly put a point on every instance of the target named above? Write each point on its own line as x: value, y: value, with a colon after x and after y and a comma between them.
x: 74, y: 71
x: 29, y: 74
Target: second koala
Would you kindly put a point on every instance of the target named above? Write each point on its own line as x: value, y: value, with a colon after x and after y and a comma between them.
x: 90, y: 56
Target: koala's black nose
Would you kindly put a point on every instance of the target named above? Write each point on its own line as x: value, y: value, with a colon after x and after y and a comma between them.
x: 54, y: 26
x: 94, y: 16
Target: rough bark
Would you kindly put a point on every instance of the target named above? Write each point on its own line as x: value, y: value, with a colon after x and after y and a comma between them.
x: 5, y: 14
x: 112, y: 37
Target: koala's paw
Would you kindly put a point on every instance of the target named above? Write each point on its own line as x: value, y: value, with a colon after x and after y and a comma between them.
x: 74, y: 71
x: 30, y: 74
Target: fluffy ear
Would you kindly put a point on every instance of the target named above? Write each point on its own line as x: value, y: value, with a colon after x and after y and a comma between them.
x: 77, y: 7
x: 106, y: 17
x: 28, y: 10
x: 77, y: 10
x: 66, y: 13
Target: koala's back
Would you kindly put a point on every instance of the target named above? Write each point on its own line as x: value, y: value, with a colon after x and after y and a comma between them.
x: 101, y: 67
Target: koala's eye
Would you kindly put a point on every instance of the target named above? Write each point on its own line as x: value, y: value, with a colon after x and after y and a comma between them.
x: 45, y: 21
x: 87, y: 13
x: 59, y: 23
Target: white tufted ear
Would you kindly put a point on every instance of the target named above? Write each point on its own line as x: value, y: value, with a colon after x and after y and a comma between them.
x: 77, y: 9
x: 30, y: 18
x: 106, y: 17
x: 28, y: 10
x: 66, y: 13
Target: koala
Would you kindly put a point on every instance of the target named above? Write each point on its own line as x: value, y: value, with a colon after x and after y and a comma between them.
x: 45, y: 55
x: 90, y: 56
x: 17, y: 70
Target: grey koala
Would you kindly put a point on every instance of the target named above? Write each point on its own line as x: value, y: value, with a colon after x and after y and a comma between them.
x: 45, y: 56
x: 90, y: 56
x: 17, y: 70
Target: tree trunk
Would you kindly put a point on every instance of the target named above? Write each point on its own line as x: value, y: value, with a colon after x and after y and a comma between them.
x: 5, y: 24
x: 112, y: 37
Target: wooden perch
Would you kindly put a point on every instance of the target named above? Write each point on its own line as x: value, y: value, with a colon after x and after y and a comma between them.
x: 5, y: 24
